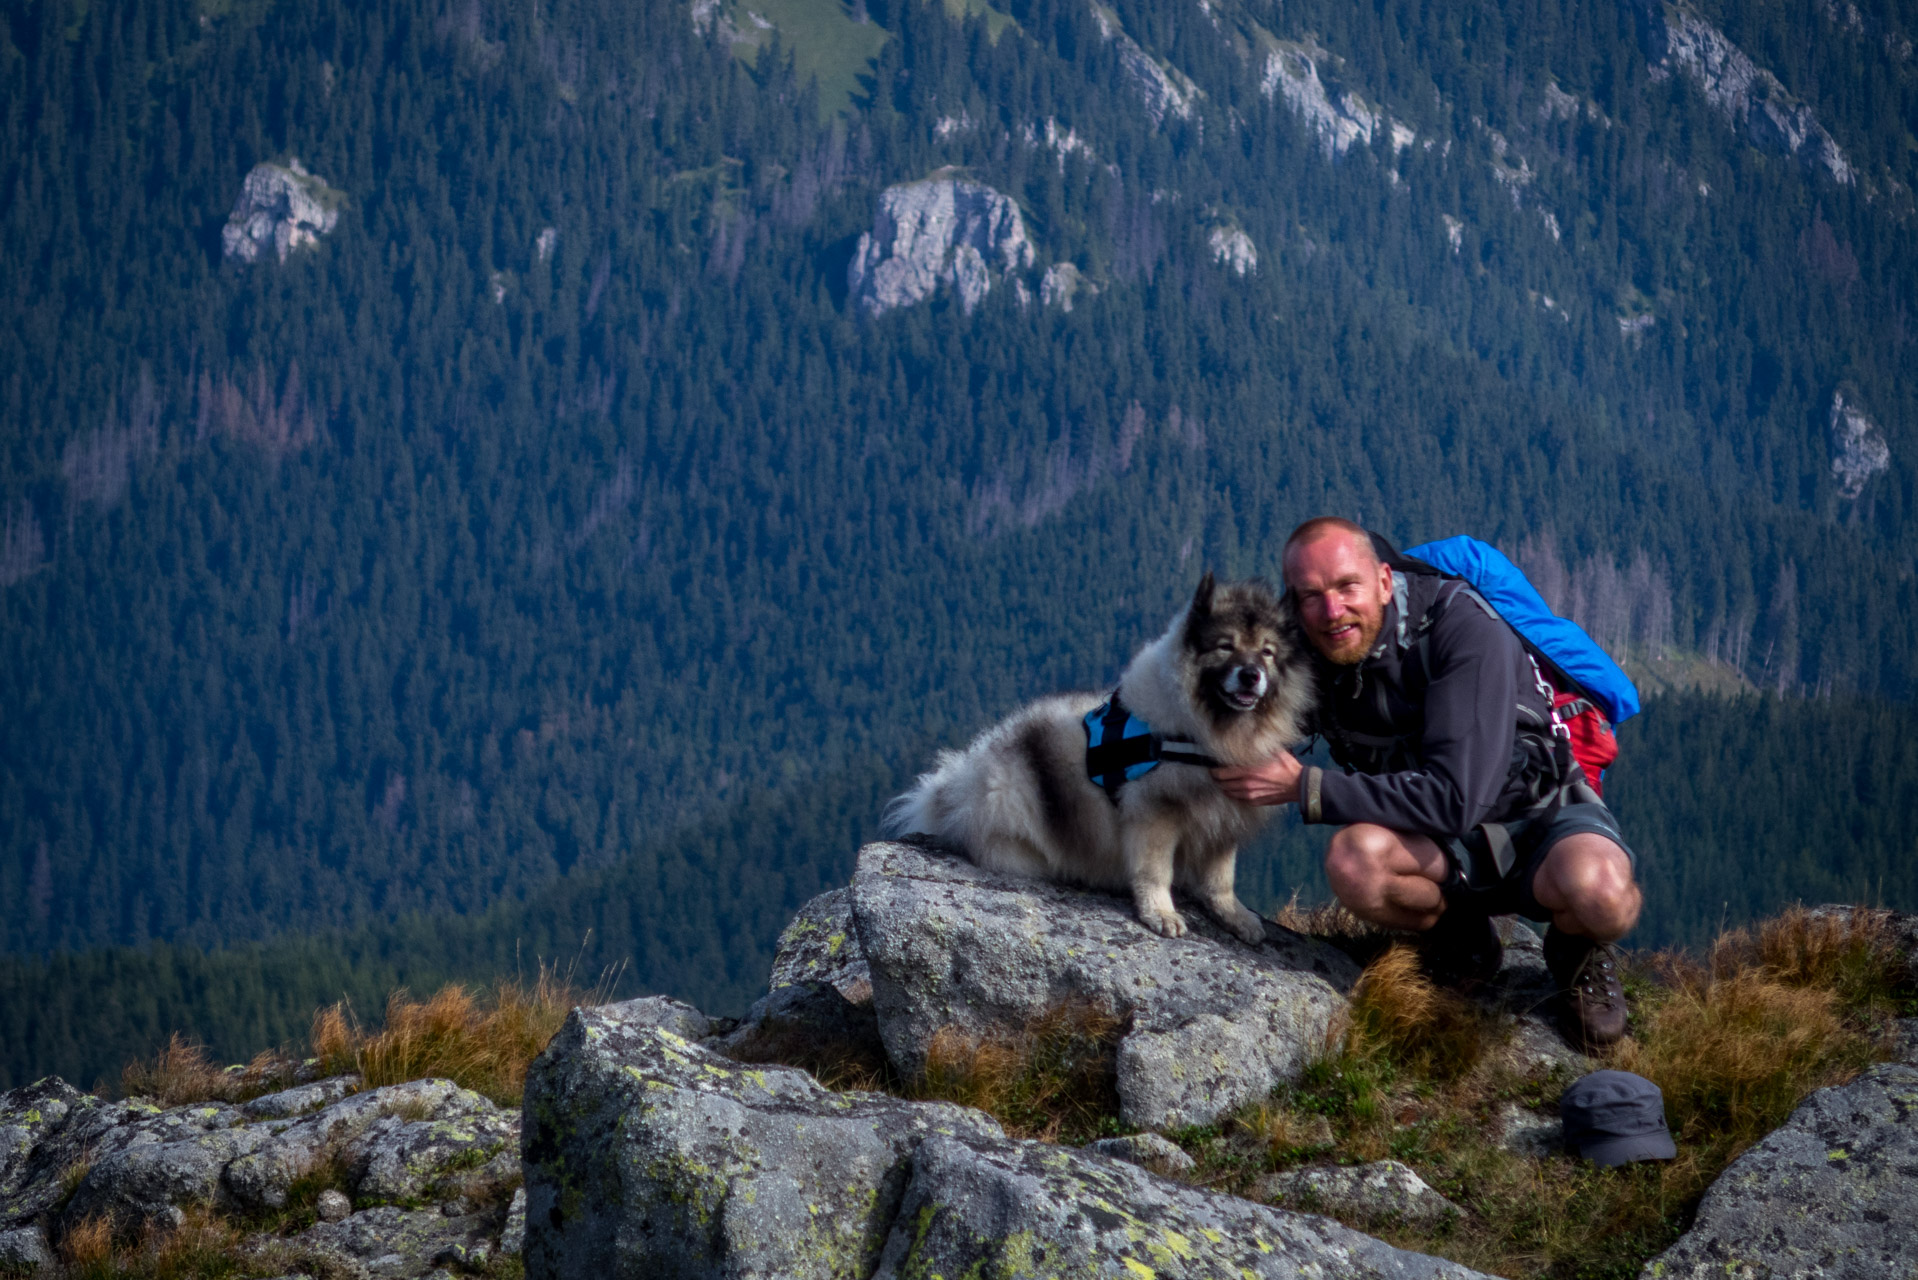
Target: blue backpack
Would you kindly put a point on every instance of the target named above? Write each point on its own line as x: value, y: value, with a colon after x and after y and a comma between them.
x: 1591, y: 694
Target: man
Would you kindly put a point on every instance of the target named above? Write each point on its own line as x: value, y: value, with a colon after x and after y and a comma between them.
x: 1456, y: 802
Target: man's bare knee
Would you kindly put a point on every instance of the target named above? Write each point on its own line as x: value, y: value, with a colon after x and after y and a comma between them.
x: 1587, y: 885
x: 1355, y: 864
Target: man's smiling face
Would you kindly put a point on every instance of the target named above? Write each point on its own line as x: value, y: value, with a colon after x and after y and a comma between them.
x: 1342, y: 591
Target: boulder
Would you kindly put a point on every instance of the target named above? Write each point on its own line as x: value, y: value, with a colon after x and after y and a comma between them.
x: 402, y: 1160
x: 1381, y: 1191
x: 301, y: 1099
x: 27, y: 1116
x: 1214, y: 1023
x: 821, y: 944
x: 148, y: 1170
x: 24, y: 1249
x: 1831, y: 1194
x: 390, y: 1241
x: 39, y: 1180
x: 939, y: 231
x: 1025, y: 1208
x: 647, y: 1155
x: 402, y: 1142
x: 1147, y: 1150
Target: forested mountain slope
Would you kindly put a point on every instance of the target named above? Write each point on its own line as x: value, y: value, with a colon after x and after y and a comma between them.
x: 565, y: 510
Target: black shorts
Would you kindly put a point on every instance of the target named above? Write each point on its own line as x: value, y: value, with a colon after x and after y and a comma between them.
x: 1493, y: 864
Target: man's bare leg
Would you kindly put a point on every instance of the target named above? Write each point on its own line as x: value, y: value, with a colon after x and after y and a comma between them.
x: 1586, y: 883
x: 1388, y: 877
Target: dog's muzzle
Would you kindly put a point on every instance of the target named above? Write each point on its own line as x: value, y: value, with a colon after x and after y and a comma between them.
x: 1244, y: 686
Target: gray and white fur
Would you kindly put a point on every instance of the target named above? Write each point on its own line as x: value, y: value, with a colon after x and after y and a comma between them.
x: 1231, y: 674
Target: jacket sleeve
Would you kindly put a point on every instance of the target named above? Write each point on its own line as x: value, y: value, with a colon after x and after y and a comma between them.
x: 1471, y: 721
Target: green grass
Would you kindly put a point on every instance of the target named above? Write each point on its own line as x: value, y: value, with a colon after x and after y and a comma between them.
x: 996, y: 22
x: 826, y: 44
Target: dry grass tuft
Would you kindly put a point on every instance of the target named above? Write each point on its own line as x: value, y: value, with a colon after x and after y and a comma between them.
x: 1335, y: 923
x: 1055, y: 1080
x: 1734, y: 1055
x: 182, y: 1073
x: 485, y: 1045
x: 87, y: 1248
x: 1400, y: 1016
x: 1852, y: 954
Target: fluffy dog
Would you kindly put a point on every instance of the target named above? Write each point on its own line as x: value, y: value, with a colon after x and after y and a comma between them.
x: 1229, y: 680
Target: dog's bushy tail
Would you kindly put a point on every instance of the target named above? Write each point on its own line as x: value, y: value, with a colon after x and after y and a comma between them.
x: 914, y: 812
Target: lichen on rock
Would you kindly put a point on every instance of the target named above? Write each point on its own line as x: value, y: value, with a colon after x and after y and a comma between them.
x: 1214, y: 1023
x: 1830, y: 1194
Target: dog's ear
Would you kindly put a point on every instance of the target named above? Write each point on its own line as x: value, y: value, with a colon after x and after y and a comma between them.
x: 1202, y: 598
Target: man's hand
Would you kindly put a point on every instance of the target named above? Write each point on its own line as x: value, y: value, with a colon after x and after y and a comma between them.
x: 1274, y: 781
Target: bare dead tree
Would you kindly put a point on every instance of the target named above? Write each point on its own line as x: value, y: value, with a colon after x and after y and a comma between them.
x: 22, y: 546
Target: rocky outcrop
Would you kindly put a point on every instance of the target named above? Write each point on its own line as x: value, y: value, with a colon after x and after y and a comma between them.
x: 819, y: 944
x: 67, y: 1157
x: 940, y: 231
x: 1064, y: 284
x: 649, y: 1155
x: 1213, y: 1023
x: 1678, y: 40
x: 280, y: 208
x: 1024, y: 1208
x: 1340, y: 117
x: 1232, y: 248
x: 1858, y: 448
x: 1164, y: 90
x: 1830, y: 1195
x: 1381, y: 1192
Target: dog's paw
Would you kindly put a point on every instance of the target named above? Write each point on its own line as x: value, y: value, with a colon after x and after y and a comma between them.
x: 1244, y: 924
x: 1163, y: 921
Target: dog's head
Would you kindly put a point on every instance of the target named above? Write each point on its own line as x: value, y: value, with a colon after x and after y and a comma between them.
x: 1239, y: 639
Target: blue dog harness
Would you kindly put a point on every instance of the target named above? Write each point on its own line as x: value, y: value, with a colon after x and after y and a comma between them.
x: 1120, y: 748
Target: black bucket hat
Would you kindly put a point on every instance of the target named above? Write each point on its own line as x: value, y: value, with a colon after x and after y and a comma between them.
x: 1615, y: 1117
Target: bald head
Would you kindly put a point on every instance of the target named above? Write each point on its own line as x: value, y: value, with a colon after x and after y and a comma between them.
x: 1319, y: 527
x: 1342, y: 589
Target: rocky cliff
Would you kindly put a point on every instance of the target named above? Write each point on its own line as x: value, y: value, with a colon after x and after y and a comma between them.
x: 1678, y: 40
x: 280, y: 208
x: 939, y: 231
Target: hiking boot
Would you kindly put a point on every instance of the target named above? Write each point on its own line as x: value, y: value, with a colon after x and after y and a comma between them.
x: 1591, y: 1000
x: 1462, y: 951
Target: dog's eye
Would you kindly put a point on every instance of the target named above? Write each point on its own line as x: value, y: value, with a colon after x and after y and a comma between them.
x: 1267, y: 652
x: 1222, y: 646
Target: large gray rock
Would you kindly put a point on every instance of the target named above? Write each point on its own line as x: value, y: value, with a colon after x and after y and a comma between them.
x: 150, y: 1169
x: 939, y: 231
x: 1832, y: 1194
x: 28, y: 1115
x: 387, y: 1241
x: 821, y: 944
x: 1380, y: 1191
x: 24, y: 1249
x: 1029, y: 1209
x: 650, y: 1156
x: 403, y: 1142
x: 647, y: 1155
x: 48, y: 1152
x: 1214, y: 1023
